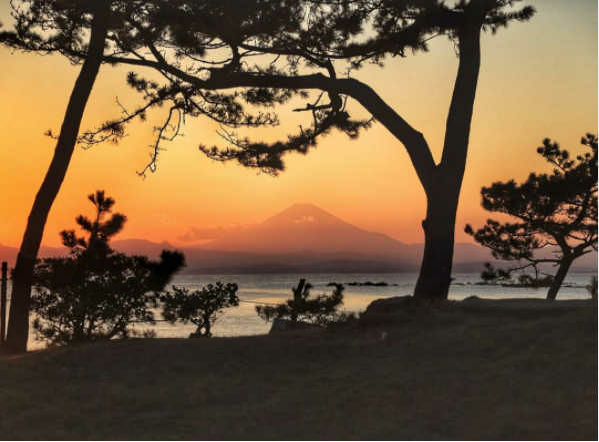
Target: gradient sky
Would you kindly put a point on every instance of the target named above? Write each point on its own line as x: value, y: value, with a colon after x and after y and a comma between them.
x: 537, y: 80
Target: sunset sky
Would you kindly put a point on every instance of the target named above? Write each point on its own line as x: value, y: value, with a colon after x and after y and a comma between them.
x: 538, y: 79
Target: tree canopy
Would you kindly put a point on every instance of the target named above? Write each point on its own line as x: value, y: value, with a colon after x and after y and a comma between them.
x: 232, y: 61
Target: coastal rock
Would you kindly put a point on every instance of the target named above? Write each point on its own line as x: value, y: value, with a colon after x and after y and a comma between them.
x: 390, y: 305
x: 392, y: 309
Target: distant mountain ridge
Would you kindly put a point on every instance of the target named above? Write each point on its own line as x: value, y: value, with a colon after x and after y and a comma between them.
x: 303, y: 239
x: 306, y: 228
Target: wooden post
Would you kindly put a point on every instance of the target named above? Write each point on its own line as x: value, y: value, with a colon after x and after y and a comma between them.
x: 3, y: 302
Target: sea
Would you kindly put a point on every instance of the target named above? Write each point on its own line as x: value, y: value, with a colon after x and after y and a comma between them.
x: 269, y: 289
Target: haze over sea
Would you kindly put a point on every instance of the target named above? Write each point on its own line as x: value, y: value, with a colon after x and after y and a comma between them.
x: 275, y: 288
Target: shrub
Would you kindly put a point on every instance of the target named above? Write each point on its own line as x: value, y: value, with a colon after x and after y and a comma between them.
x: 96, y: 293
x: 320, y: 310
x: 200, y: 307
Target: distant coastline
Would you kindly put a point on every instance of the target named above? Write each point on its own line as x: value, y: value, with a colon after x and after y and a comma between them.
x: 210, y: 262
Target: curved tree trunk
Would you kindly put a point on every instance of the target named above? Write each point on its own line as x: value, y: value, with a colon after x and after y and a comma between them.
x: 558, y: 280
x: 18, y: 325
x: 443, y: 193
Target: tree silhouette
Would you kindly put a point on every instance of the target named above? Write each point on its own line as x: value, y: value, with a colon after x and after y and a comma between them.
x: 45, y: 26
x: 100, y: 232
x: 200, y: 307
x: 229, y: 59
x: 96, y: 293
x: 319, y: 310
x: 552, y: 210
x: 86, y: 32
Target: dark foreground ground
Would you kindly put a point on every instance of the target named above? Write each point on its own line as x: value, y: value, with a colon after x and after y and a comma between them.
x: 477, y: 371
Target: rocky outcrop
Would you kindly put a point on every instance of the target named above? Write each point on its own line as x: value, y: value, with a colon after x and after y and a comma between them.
x: 395, y: 309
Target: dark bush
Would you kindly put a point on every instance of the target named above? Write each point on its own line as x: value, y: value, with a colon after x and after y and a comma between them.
x: 200, y: 307
x: 320, y: 310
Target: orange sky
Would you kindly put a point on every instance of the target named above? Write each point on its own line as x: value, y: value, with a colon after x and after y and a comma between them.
x: 538, y: 79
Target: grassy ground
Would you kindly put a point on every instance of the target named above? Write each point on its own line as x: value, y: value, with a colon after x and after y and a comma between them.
x: 476, y: 371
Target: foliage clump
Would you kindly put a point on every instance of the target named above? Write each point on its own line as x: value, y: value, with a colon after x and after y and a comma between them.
x: 96, y: 293
x: 320, y: 310
x: 200, y: 307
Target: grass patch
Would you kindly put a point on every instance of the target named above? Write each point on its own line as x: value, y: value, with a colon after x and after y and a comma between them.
x: 450, y: 373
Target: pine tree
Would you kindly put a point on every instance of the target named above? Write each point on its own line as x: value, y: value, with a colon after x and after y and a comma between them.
x: 96, y: 293
x: 557, y: 209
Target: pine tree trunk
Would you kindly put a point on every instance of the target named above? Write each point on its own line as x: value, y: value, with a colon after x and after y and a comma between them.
x: 439, y: 227
x: 18, y: 325
x: 558, y: 280
x: 443, y: 194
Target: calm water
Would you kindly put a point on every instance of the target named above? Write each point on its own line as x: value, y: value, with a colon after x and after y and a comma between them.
x: 243, y: 320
